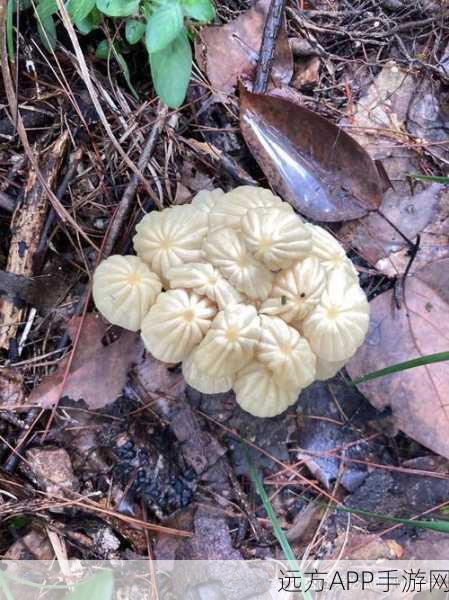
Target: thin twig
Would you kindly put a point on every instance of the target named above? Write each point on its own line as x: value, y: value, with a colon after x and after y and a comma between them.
x: 271, y: 31
x: 128, y: 195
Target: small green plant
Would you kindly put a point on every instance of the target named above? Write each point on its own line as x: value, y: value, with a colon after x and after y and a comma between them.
x: 164, y: 26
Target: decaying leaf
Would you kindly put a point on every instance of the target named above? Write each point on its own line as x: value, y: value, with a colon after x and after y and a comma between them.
x: 317, y: 167
x: 230, y: 51
x: 418, y: 397
x: 12, y: 390
x: 387, y: 122
x: 98, y: 372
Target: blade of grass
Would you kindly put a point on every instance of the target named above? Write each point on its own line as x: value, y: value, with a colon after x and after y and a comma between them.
x: 403, y: 366
x: 10, y: 29
x: 432, y: 178
x: 440, y: 526
x: 277, y: 529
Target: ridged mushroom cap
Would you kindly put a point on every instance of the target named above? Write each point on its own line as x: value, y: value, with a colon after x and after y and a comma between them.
x: 205, y: 280
x: 124, y: 289
x: 176, y: 324
x: 171, y: 237
x: 286, y: 353
x: 234, y: 205
x: 296, y: 291
x: 226, y: 250
x: 203, y: 382
x: 230, y: 342
x: 330, y: 252
x: 259, y: 393
x: 275, y: 237
x: 338, y: 325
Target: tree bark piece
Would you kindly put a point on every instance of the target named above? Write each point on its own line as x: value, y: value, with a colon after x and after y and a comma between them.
x: 26, y: 226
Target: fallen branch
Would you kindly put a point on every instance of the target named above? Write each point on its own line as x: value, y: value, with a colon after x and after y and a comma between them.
x: 26, y: 226
x: 271, y: 31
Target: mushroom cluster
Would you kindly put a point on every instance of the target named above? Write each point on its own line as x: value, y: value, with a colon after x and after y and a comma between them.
x: 242, y: 292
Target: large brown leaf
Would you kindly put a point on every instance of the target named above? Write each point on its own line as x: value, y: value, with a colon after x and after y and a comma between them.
x: 230, y: 51
x: 419, y: 397
x: 98, y: 372
x: 320, y: 169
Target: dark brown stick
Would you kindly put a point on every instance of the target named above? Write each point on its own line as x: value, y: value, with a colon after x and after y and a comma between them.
x: 271, y: 31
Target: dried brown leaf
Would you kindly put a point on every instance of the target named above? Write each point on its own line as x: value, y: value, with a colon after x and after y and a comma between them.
x: 98, y: 372
x: 394, y: 109
x: 12, y: 390
x: 230, y: 51
x: 316, y: 166
x: 418, y: 397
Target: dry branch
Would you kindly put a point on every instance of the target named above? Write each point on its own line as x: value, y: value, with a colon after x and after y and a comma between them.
x: 26, y: 227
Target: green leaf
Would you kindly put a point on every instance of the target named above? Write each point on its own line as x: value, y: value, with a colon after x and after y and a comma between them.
x: 163, y: 26
x: 171, y: 69
x: 201, y: 10
x: 91, y: 22
x: 134, y: 31
x: 46, y: 8
x: 21, y: 5
x: 100, y: 587
x: 79, y: 9
x: 125, y: 70
x: 403, y: 366
x: 103, y: 50
x: 118, y: 8
x: 47, y: 32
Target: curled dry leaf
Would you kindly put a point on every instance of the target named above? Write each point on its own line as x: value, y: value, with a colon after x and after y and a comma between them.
x: 320, y: 169
x: 98, y: 372
x: 418, y: 397
x: 231, y: 51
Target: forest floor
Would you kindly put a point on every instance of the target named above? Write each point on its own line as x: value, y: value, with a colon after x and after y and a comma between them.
x: 134, y: 463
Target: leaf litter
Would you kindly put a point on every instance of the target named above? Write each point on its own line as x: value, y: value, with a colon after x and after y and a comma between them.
x: 418, y: 397
x: 139, y: 411
x: 98, y: 372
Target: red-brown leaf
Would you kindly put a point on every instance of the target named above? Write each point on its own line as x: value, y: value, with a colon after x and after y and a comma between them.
x: 320, y: 169
x: 230, y: 51
x: 98, y: 372
x: 418, y: 397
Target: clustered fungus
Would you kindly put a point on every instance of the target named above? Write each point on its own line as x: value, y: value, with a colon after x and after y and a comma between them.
x: 242, y: 292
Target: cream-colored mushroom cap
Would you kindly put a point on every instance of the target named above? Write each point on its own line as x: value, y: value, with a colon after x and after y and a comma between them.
x: 205, y: 280
x: 259, y: 393
x: 286, y: 353
x: 338, y: 325
x: 230, y: 208
x: 330, y: 252
x: 275, y: 236
x: 296, y: 291
x: 176, y: 324
x: 124, y: 289
x: 205, y: 200
x: 230, y: 342
x: 326, y: 370
x: 171, y: 237
x: 203, y: 382
x: 227, y: 251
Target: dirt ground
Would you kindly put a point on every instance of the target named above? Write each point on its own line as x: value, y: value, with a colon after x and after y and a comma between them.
x: 110, y: 453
